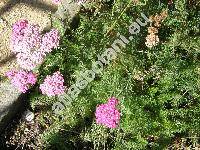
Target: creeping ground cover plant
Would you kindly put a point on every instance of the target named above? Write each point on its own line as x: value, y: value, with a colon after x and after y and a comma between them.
x: 146, y: 98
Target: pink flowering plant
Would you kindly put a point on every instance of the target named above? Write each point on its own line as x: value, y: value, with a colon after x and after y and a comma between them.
x: 22, y: 80
x: 53, y: 85
x: 30, y: 45
x: 107, y: 114
x: 159, y: 87
x: 56, y: 1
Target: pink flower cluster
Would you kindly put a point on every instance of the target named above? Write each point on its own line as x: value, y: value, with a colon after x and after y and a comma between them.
x: 50, y: 40
x: 29, y: 44
x: 21, y: 79
x: 25, y: 37
x: 31, y: 48
x: 107, y: 114
x: 56, y: 1
x: 53, y: 85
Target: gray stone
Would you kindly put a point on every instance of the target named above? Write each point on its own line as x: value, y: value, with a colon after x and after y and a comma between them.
x: 11, y: 101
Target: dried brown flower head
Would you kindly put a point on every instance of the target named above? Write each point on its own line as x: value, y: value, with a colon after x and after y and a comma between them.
x: 152, y: 40
x: 157, y: 19
x: 152, y: 30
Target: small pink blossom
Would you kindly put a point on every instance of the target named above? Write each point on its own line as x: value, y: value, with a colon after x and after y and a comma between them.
x: 29, y: 61
x: 107, y: 114
x: 22, y: 80
x: 53, y: 85
x: 50, y: 40
x: 19, y: 26
x: 56, y: 1
x: 25, y: 61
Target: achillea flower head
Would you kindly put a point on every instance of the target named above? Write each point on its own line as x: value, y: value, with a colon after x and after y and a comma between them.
x: 53, y: 85
x: 25, y: 61
x: 50, y: 40
x: 29, y: 44
x: 32, y: 37
x: 56, y: 1
x: 29, y: 61
x: 19, y: 26
x: 107, y: 114
x: 22, y: 80
x: 25, y: 39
